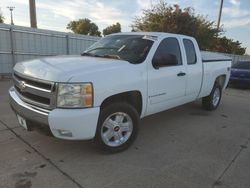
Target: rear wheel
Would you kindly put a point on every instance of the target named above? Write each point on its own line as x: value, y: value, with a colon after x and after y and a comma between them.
x: 117, y: 127
x: 212, y: 101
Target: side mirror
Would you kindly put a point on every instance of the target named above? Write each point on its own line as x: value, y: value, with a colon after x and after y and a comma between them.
x: 164, y: 60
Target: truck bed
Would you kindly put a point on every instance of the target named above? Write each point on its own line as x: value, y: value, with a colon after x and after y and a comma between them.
x: 213, y: 56
x: 214, y: 65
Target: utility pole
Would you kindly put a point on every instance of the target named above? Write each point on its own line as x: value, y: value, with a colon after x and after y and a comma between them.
x: 11, y: 15
x: 220, y: 12
x: 33, y: 22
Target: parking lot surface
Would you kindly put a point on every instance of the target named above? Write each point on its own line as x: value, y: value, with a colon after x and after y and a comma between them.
x: 185, y: 147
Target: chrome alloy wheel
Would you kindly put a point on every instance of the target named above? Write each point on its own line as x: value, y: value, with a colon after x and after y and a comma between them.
x: 216, y: 97
x: 116, y: 129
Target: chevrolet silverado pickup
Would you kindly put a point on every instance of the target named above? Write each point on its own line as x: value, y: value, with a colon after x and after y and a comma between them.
x: 103, y: 93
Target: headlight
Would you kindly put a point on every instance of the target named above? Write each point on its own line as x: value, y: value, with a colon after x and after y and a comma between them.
x: 75, y: 95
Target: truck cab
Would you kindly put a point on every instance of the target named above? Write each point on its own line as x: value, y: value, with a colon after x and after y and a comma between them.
x: 175, y: 74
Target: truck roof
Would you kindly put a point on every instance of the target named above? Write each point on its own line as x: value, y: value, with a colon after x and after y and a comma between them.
x: 157, y: 34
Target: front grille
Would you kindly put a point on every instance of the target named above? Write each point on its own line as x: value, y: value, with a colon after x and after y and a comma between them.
x: 32, y: 97
x: 35, y: 91
x: 47, y: 86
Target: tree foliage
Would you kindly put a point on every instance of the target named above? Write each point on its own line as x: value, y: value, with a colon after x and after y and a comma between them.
x: 115, y: 28
x: 84, y: 26
x: 1, y: 17
x: 172, y: 19
x: 226, y: 45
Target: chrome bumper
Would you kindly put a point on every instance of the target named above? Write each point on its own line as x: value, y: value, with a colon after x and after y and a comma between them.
x: 26, y: 110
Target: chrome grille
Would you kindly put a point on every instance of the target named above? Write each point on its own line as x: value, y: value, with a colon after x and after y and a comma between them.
x: 35, y: 91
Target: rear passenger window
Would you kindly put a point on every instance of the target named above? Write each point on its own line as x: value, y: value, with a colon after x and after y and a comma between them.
x: 190, y: 51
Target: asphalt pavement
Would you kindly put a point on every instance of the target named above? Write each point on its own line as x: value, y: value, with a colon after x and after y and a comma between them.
x: 185, y: 147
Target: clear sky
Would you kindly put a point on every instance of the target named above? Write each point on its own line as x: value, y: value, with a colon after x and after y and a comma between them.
x: 55, y: 14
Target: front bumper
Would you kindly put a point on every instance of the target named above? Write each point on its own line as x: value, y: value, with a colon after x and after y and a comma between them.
x: 70, y: 124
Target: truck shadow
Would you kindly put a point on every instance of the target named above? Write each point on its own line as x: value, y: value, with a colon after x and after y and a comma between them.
x: 153, y: 129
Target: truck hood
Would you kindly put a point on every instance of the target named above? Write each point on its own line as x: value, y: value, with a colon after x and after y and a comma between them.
x: 63, y: 68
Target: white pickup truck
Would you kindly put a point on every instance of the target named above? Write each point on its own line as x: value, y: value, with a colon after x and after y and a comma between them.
x: 103, y: 93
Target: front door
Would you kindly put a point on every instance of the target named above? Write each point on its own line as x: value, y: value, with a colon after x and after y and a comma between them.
x: 166, y: 84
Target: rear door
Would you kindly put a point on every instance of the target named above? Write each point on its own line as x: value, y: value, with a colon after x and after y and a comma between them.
x: 194, y: 69
x: 166, y: 85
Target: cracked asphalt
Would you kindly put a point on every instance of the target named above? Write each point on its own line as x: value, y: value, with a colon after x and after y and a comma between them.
x: 185, y: 147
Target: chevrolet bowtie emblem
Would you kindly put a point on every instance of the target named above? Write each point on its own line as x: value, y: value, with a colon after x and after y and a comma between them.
x: 22, y: 85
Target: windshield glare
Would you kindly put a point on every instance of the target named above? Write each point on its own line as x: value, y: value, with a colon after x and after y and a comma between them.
x: 132, y: 48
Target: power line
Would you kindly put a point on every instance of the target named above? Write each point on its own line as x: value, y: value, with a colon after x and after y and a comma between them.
x: 11, y: 8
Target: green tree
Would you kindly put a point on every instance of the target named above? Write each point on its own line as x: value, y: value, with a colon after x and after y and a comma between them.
x: 1, y: 17
x: 172, y: 19
x: 84, y: 26
x: 115, y: 28
x: 229, y: 46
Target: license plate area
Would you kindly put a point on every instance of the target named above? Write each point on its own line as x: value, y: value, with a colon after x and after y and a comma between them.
x: 22, y: 122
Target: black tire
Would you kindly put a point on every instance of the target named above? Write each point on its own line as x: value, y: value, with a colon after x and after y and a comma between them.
x: 106, y: 113
x: 207, y: 102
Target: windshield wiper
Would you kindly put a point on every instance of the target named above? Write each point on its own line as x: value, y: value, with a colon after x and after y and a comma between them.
x: 111, y: 56
x: 89, y: 54
x: 100, y: 48
x: 103, y: 56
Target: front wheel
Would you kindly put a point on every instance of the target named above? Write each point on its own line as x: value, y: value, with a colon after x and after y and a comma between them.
x: 212, y: 101
x: 117, y: 127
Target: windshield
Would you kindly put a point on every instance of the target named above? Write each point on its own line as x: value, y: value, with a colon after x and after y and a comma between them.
x: 132, y: 48
x: 242, y: 65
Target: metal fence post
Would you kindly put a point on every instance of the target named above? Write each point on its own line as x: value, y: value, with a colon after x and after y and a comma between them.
x: 67, y: 44
x: 12, y: 46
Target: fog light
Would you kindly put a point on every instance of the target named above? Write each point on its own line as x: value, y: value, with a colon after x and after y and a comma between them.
x: 65, y: 133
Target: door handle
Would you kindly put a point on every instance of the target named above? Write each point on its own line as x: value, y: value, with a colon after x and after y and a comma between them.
x: 181, y: 74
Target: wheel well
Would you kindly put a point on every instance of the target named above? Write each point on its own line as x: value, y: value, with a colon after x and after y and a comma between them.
x: 221, y: 80
x: 134, y: 98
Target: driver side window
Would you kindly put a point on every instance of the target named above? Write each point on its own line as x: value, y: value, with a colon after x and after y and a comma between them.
x: 170, y: 47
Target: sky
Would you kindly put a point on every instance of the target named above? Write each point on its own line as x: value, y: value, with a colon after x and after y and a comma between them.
x: 56, y: 14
